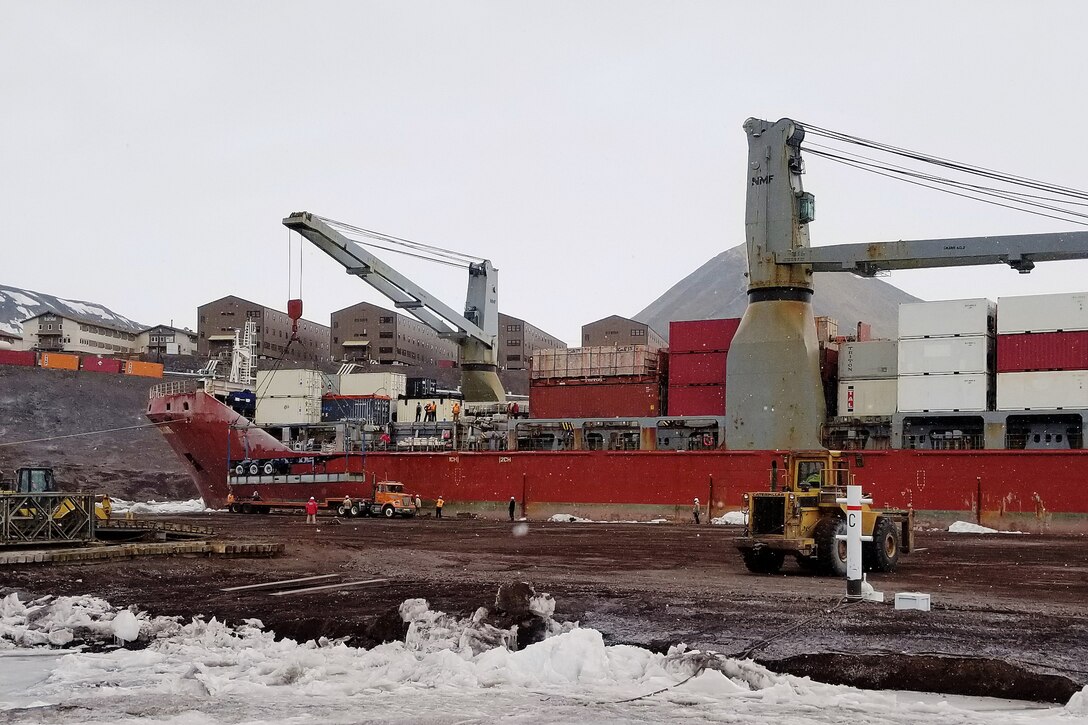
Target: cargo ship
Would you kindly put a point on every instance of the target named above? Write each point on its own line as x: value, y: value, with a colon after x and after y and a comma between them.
x: 974, y: 413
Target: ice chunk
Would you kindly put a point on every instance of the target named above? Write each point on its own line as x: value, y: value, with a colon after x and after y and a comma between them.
x: 963, y: 527
x: 126, y: 627
x: 729, y: 518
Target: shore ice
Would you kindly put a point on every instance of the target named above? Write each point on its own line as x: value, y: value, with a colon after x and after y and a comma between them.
x: 209, y: 672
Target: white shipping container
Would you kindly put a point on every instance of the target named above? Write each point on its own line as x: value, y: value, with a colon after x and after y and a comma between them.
x: 870, y: 359
x: 942, y: 393
x: 392, y: 384
x: 928, y: 355
x: 946, y: 317
x: 1042, y: 313
x: 311, y: 383
x: 1042, y: 390
x: 858, y: 398
x: 288, y: 409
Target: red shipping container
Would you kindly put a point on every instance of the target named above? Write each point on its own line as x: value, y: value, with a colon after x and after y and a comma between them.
x: 697, y: 368
x: 25, y: 358
x: 702, y: 335
x: 829, y: 363
x: 102, y: 365
x: 1042, y: 351
x: 697, y: 400
x: 596, y: 400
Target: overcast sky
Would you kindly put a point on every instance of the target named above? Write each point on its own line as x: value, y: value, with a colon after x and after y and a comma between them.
x: 592, y: 150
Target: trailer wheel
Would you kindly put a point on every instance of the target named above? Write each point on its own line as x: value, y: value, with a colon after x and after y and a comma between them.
x: 247, y: 508
x: 387, y: 511
x: 239, y: 470
x: 830, y: 552
x: 254, y: 469
x: 882, y: 554
x: 268, y: 469
x: 342, y: 510
x: 763, y: 560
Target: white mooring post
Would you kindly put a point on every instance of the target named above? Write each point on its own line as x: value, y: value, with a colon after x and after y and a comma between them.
x: 854, y: 538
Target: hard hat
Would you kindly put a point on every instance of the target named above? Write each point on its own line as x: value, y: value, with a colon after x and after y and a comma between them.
x: 312, y: 498
x: 696, y: 500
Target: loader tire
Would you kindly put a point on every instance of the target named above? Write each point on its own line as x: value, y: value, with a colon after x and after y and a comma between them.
x: 763, y: 560
x: 882, y: 553
x: 830, y: 552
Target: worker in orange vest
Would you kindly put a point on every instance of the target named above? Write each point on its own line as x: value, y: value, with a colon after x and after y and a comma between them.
x: 456, y: 411
x: 438, y: 507
x: 311, y: 511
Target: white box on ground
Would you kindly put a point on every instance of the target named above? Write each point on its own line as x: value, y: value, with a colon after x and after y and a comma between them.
x: 946, y: 318
x: 1042, y: 313
x: 912, y: 600
x: 929, y: 355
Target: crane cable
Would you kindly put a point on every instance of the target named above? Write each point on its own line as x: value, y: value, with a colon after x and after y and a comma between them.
x: 1017, y: 200
x: 406, y: 247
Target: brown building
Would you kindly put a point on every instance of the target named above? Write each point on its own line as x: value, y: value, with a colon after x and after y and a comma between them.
x: 616, y: 330
x: 517, y: 341
x: 365, y: 332
x: 217, y: 321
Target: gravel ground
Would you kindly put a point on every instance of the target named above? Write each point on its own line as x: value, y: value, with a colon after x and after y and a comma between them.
x: 1008, y: 612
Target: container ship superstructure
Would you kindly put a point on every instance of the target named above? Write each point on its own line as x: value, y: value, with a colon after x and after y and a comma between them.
x: 973, y: 412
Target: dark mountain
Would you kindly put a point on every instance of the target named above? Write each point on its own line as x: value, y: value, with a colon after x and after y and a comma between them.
x: 18, y: 304
x: 719, y: 289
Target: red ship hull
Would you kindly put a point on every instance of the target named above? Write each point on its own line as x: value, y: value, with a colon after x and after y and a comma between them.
x: 1000, y: 488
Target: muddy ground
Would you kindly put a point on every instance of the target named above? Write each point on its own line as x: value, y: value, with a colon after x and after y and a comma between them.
x: 1009, y: 612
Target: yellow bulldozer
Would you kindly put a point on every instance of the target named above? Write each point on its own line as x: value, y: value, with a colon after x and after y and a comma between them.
x: 31, y: 480
x: 801, y: 516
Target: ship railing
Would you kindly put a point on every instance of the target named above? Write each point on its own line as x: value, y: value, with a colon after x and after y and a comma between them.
x: 174, y: 387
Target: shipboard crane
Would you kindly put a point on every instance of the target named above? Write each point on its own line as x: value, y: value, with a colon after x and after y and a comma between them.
x: 476, y: 332
x: 773, y: 374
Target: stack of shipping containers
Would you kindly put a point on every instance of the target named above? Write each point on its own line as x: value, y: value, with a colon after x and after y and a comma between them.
x: 1042, y: 352
x: 945, y: 355
x: 596, y: 382
x: 290, y: 397
x: 364, y: 397
x: 867, y: 379
x: 697, y: 361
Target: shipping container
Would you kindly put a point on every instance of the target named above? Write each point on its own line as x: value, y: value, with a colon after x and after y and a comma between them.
x: 702, y: 335
x: 942, y: 355
x: 605, y: 399
x: 603, y: 361
x: 59, y: 361
x: 421, y: 387
x: 826, y: 328
x: 697, y: 368
x: 874, y: 359
x: 25, y: 358
x: 696, y: 400
x: 1042, y: 313
x: 288, y: 410
x: 829, y: 362
x: 1042, y: 351
x: 943, y: 393
x: 311, y: 383
x: 946, y: 318
x: 102, y: 365
x: 1054, y: 390
x: 394, y: 385
x: 374, y: 409
x: 143, y: 369
x: 867, y: 397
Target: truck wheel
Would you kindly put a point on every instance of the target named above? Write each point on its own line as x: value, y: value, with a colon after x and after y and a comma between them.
x: 387, y: 511
x: 239, y: 470
x: 354, y: 510
x: 763, y: 560
x: 268, y: 469
x: 254, y: 469
x: 830, y: 552
x: 342, y: 511
x: 247, y: 508
x: 882, y: 554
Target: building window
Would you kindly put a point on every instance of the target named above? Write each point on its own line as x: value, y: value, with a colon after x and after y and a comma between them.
x: 385, y: 320
x: 513, y: 343
x: 513, y: 328
x: 252, y: 314
x: 638, y: 333
x: 385, y: 350
x: 385, y: 334
x: 513, y: 358
x: 335, y: 324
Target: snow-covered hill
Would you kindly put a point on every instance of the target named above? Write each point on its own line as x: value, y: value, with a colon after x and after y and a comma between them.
x: 18, y: 304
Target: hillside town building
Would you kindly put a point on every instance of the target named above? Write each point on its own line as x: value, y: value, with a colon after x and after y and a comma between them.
x: 166, y: 340
x: 365, y: 332
x: 54, y: 332
x: 217, y: 321
x: 616, y: 330
x: 518, y: 339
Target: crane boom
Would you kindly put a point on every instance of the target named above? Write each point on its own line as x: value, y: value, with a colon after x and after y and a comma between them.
x: 1019, y: 251
x: 476, y: 331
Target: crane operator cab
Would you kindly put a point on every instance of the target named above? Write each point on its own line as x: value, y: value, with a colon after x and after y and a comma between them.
x: 810, y: 474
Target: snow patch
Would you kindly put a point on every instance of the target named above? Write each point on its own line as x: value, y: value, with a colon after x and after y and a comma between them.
x: 572, y: 519
x: 729, y: 518
x: 192, y: 506
x: 963, y: 527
